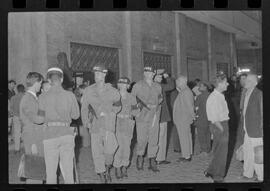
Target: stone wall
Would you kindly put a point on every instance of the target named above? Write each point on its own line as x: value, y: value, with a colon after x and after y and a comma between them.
x: 250, y: 58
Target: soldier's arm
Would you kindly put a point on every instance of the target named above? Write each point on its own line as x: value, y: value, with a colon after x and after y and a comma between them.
x: 84, y: 109
x: 135, y: 110
x: 160, y: 96
x: 117, y: 98
x: 75, y: 110
x: 29, y: 111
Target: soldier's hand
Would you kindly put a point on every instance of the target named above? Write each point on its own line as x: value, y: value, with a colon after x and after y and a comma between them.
x: 165, y: 75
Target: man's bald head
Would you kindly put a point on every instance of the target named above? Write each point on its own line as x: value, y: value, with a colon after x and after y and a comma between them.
x: 251, y: 81
x: 181, y: 81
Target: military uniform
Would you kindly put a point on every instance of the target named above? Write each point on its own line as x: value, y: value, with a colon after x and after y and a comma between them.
x: 101, y: 123
x: 124, y: 128
x: 60, y: 108
x: 147, y: 122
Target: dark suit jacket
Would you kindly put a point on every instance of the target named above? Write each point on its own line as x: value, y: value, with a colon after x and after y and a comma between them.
x: 254, y: 114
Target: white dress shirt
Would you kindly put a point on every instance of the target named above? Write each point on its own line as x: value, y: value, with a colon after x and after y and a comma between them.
x: 216, y: 107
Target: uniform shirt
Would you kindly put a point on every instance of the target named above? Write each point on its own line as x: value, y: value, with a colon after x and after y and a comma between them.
x: 150, y: 95
x: 125, y: 124
x: 59, y: 106
x: 102, y: 103
x: 15, y: 104
x: 216, y: 107
x: 29, y: 110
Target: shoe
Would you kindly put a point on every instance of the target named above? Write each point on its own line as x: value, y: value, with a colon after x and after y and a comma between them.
x: 153, y: 165
x: 124, y: 172
x: 218, y: 181
x: 163, y: 162
x: 207, y: 174
x: 184, y: 159
x: 107, y: 174
x: 102, y: 178
x: 139, y: 162
x: 242, y: 177
x: 118, y: 173
x: 176, y: 151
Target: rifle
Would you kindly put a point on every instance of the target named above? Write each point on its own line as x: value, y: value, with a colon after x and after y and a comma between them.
x: 92, y: 111
x: 142, y: 104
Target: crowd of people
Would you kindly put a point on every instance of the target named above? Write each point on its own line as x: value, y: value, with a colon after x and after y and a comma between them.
x: 47, y: 118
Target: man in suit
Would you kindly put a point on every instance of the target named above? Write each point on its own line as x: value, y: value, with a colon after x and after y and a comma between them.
x: 253, y: 127
x: 183, y: 116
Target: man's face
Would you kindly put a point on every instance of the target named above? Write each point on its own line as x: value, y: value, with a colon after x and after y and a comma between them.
x: 250, y: 82
x: 158, y: 78
x: 122, y: 87
x: 100, y: 77
x: 12, y: 85
x: 224, y: 84
x: 202, y: 87
x: 242, y: 81
x: 181, y: 82
x: 37, y: 86
x: 46, y: 87
x: 148, y: 75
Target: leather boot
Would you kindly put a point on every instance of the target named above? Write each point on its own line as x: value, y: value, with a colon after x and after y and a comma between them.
x: 107, y: 174
x: 153, y: 165
x: 139, y: 162
x: 118, y: 173
x: 102, y: 178
x: 124, y: 171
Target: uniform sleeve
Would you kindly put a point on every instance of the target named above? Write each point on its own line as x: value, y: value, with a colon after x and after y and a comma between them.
x: 29, y: 111
x: 84, y: 109
x: 212, y: 109
x: 75, y: 111
x: 160, y: 96
x: 116, y: 96
x: 170, y: 85
x: 134, y: 112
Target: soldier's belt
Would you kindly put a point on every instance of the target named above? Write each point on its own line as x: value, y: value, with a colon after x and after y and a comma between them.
x: 56, y: 124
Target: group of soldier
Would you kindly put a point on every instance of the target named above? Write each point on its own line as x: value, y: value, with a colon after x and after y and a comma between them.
x: 111, y: 114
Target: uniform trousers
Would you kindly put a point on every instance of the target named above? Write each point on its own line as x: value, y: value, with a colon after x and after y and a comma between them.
x: 162, y: 142
x: 59, y: 149
x: 122, y: 154
x: 217, y: 167
x: 85, y: 136
x: 17, y: 132
x: 249, y: 165
x: 185, y: 139
x: 103, y: 149
x: 147, y: 135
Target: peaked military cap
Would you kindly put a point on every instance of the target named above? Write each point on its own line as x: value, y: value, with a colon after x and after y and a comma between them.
x: 100, y: 68
x: 148, y: 69
x: 55, y: 69
x: 123, y: 80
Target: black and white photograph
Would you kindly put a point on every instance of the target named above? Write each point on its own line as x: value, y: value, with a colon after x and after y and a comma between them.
x: 135, y: 97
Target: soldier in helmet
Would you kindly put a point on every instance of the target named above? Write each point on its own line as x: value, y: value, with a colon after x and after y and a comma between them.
x: 124, y: 128
x: 60, y: 108
x: 100, y: 104
x: 147, y: 123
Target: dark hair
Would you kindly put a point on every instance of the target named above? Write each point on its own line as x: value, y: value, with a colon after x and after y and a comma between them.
x: 219, y: 79
x: 33, y: 77
x: 20, y: 88
x: 197, y: 81
x: 45, y: 82
x: 12, y: 81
